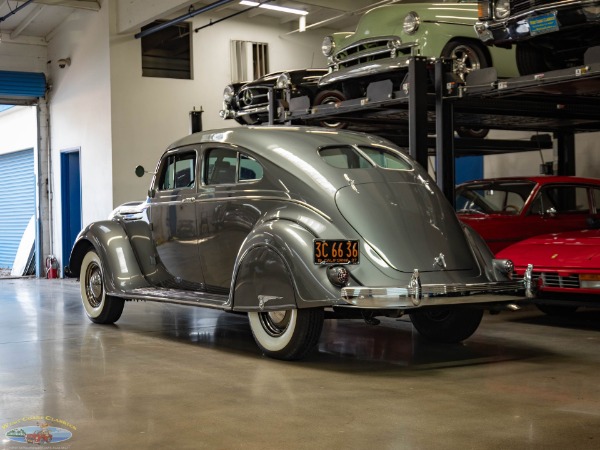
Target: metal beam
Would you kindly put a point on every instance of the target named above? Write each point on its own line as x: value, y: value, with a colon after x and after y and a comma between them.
x: 566, y: 152
x: 180, y: 19
x: 444, y: 130
x: 88, y: 5
x: 37, y: 9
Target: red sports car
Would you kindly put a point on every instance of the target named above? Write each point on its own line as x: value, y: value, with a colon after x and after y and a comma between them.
x: 508, y: 210
x: 567, y: 266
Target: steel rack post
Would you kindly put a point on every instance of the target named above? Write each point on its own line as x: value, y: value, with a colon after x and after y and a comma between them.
x: 444, y: 130
x: 417, y: 109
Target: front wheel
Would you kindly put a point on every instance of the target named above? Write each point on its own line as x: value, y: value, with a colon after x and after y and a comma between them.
x: 99, y: 306
x: 446, y: 325
x: 289, y: 334
x: 330, y: 98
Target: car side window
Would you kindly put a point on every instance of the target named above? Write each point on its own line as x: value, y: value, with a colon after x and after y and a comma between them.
x: 250, y: 169
x: 561, y: 199
x: 227, y: 166
x: 178, y: 171
x: 596, y: 197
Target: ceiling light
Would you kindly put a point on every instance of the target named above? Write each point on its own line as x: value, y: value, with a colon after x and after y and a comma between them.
x: 275, y: 7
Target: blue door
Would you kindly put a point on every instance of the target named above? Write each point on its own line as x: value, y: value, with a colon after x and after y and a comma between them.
x: 71, y: 202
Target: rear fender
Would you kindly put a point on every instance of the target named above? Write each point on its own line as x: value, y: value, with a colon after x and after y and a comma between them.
x: 275, y: 269
x: 110, y: 241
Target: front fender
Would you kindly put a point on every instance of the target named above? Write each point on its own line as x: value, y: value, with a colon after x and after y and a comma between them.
x: 110, y: 240
x: 292, y: 245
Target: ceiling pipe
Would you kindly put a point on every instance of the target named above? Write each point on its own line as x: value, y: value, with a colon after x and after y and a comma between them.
x: 180, y: 19
x: 14, y: 11
x: 211, y: 23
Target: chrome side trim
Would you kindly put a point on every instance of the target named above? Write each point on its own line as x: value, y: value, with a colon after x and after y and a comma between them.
x: 177, y: 296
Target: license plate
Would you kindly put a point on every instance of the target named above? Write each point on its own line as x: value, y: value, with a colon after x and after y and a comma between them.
x: 546, y: 23
x: 330, y: 251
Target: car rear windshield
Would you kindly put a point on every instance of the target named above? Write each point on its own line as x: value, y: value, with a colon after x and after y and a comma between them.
x: 363, y: 157
x: 506, y: 197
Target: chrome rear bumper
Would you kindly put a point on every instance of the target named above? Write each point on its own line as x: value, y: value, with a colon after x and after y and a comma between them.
x: 416, y: 295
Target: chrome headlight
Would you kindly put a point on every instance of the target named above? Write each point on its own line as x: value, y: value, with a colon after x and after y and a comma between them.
x: 502, y: 9
x: 411, y: 23
x: 504, y: 266
x: 283, y: 81
x: 228, y: 94
x: 328, y: 46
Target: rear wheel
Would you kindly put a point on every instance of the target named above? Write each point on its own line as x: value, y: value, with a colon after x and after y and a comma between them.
x: 99, y: 306
x: 557, y: 310
x: 289, y: 334
x: 446, y: 325
x: 330, y: 98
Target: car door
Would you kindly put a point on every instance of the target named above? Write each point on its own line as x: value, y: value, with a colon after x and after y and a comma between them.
x: 227, y: 210
x: 559, y: 208
x: 173, y: 216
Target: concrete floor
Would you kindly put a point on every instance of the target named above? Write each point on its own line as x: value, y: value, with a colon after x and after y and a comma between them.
x: 179, y: 377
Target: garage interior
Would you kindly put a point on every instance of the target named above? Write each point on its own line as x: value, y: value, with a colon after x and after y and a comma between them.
x: 169, y: 376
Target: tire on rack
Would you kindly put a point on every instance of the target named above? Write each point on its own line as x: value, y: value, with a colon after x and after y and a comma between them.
x: 469, y: 56
x: 531, y: 60
x: 330, y: 97
x: 99, y: 306
x: 556, y: 310
x: 289, y: 334
x: 446, y: 325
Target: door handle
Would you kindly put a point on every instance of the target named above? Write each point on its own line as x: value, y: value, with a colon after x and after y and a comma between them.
x: 188, y: 200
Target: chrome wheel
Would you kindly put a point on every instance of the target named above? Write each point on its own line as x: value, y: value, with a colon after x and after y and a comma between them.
x: 99, y: 307
x: 468, y: 56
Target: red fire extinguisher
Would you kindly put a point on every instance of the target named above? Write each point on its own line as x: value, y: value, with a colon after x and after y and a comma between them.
x: 51, y: 267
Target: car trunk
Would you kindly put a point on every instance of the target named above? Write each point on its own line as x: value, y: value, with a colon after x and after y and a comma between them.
x: 407, y: 224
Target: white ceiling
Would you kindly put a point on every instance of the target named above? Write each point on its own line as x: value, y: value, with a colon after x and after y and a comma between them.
x: 40, y: 18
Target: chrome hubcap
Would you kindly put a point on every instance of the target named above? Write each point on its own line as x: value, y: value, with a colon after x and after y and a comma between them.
x: 93, y: 285
x: 275, y: 322
x: 466, y: 60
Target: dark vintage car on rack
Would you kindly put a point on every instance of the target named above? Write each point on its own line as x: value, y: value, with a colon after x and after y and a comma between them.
x: 507, y: 210
x: 292, y: 225
x: 248, y: 103
x: 548, y: 34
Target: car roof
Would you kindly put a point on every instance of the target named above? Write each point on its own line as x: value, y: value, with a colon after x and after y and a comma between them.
x: 267, y: 140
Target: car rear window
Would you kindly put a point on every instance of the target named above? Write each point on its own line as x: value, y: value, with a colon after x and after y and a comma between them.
x: 363, y: 157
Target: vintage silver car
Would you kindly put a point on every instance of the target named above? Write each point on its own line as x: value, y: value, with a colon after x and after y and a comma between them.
x: 291, y: 225
x: 548, y: 34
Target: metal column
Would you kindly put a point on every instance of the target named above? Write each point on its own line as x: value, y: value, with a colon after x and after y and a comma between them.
x: 566, y: 152
x: 444, y: 130
x: 417, y: 109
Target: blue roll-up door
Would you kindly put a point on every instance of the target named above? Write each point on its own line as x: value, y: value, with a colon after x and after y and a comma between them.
x: 17, y: 201
x: 21, y: 85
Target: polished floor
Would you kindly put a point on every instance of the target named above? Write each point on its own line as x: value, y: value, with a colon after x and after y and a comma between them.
x: 173, y: 377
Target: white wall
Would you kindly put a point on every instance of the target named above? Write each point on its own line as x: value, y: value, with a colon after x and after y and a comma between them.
x: 587, y: 157
x: 150, y: 113
x: 18, y: 129
x: 80, y: 112
x: 25, y: 55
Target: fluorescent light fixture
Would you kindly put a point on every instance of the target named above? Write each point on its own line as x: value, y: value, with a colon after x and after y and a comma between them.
x: 275, y: 7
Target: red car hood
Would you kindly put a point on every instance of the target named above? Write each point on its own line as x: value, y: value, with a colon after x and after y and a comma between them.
x: 569, y: 250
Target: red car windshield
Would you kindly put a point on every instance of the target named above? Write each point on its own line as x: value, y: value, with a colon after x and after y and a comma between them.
x: 499, y: 197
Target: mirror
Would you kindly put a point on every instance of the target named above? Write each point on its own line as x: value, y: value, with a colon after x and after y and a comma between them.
x: 140, y: 171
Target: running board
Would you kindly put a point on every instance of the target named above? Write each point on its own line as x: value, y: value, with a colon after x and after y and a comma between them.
x: 178, y: 296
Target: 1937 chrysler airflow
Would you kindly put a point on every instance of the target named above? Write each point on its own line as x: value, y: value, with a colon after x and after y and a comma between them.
x: 292, y: 225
